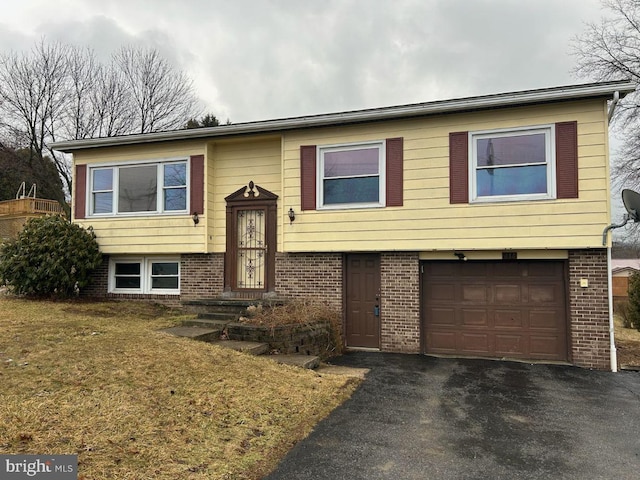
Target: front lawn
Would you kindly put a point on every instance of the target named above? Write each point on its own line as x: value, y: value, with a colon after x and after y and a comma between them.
x: 99, y: 380
x: 627, y: 344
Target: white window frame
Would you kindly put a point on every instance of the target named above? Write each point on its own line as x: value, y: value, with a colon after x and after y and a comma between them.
x: 115, y: 168
x: 145, y: 275
x: 550, y: 150
x: 321, y: 150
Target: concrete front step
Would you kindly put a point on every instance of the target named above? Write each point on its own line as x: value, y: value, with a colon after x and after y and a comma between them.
x: 206, y: 323
x: 222, y: 316
x: 202, y: 334
x: 252, y: 348
x: 217, y: 305
x: 304, y: 361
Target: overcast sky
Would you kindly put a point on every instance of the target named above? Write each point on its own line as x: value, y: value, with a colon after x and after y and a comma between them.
x: 264, y: 59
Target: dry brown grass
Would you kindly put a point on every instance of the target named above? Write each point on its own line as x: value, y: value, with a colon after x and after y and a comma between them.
x: 627, y: 344
x: 99, y: 380
x: 299, y: 312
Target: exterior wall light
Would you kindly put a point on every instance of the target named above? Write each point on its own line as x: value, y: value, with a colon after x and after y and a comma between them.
x: 195, y: 218
x: 292, y: 216
x: 461, y: 256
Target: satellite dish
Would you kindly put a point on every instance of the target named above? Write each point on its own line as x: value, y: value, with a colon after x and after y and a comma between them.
x: 631, y: 202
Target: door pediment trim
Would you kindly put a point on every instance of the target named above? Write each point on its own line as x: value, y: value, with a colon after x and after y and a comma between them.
x: 250, y: 193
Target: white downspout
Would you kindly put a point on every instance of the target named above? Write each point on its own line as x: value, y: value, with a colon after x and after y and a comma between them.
x: 612, y: 107
x: 612, y: 347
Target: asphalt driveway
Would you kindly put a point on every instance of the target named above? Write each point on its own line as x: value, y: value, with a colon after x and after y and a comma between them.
x: 418, y: 417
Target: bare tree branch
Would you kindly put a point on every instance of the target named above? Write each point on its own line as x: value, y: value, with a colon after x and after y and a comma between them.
x: 610, y: 50
x: 57, y: 91
x: 162, y: 97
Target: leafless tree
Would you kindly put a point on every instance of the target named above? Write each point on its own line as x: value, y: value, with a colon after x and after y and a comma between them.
x: 111, y: 101
x: 58, y: 91
x: 33, y: 97
x: 161, y: 96
x: 610, y: 50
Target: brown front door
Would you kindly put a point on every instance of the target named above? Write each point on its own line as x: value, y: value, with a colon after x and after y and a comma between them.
x: 249, y: 262
x: 251, y: 249
x: 495, y: 309
x: 363, y: 300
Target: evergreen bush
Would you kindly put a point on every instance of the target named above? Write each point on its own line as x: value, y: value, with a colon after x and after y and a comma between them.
x: 50, y: 257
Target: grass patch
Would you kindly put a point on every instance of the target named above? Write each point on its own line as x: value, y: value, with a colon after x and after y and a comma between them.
x: 100, y: 381
x: 627, y: 343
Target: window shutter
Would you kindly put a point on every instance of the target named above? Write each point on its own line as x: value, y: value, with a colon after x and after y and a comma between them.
x: 395, y: 156
x: 196, y: 179
x: 459, y: 167
x: 567, y: 160
x: 80, y: 192
x: 308, y: 177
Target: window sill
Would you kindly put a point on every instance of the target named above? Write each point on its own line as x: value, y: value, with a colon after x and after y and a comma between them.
x: 349, y: 206
x: 183, y: 213
x: 140, y: 292
x: 512, y: 199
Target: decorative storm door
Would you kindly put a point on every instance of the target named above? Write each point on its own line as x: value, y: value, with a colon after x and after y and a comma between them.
x: 251, y: 241
x: 251, y: 249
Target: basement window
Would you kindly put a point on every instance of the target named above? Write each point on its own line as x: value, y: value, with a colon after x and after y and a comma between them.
x: 140, y: 275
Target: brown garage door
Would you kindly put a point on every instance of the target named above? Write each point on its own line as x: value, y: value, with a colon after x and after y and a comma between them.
x: 511, y: 309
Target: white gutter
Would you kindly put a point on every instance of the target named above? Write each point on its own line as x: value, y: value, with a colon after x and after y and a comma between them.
x: 603, y: 89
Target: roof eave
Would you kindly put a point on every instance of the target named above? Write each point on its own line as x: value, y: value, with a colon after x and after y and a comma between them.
x: 526, y: 97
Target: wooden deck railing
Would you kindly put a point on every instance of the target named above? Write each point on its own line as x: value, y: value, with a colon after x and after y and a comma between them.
x: 30, y: 206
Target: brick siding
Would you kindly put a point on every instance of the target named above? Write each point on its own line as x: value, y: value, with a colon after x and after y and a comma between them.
x: 99, y: 281
x: 310, y: 275
x: 400, y: 307
x: 590, y: 344
x: 201, y: 275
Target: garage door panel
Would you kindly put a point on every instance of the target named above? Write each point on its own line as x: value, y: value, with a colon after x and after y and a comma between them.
x: 508, y: 319
x: 443, y: 317
x: 505, y: 269
x: 443, y: 342
x: 543, y: 320
x: 441, y: 292
x: 474, y: 318
x: 508, y: 294
x: 471, y: 269
x: 544, y: 347
x: 514, y: 309
x: 475, y: 344
x: 474, y: 293
x: 509, y: 345
x: 549, y: 270
x: 549, y: 293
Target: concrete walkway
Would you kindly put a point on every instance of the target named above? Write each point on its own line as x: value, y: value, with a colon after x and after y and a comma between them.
x: 417, y: 417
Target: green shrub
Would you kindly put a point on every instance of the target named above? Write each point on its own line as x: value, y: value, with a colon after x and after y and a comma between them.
x: 50, y: 257
x: 634, y: 301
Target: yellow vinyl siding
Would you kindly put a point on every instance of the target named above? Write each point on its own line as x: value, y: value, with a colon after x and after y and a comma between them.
x: 427, y: 221
x: 139, y: 234
x: 144, y: 235
x: 233, y: 164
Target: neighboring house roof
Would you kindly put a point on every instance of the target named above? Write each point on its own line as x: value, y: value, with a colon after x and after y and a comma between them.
x: 484, y: 102
x: 625, y: 265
